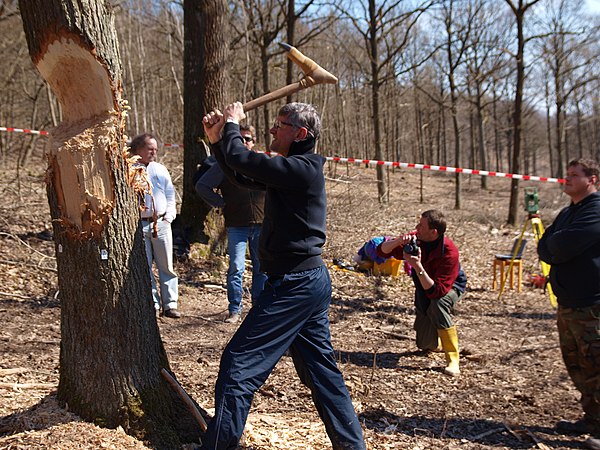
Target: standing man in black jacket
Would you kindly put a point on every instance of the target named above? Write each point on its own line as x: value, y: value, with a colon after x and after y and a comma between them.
x: 243, y: 210
x: 291, y: 312
x: 571, y: 245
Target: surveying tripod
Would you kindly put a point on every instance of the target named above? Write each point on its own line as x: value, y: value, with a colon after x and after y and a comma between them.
x: 533, y: 217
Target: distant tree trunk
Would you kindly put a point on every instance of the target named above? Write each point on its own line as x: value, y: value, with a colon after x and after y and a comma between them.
x: 453, y: 62
x: 266, y: 81
x: 519, y: 12
x: 559, y: 125
x: 420, y: 156
x: 375, y: 85
x: 291, y: 37
x: 578, y: 127
x: 595, y: 144
x: 204, y: 88
x: 111, y: 353
x: 549, y: 128
x: 481, y: 135
x: 496, y: 119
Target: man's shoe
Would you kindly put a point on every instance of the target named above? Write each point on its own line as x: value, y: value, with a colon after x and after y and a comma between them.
x: 172, y: 313
x: 592, y: 444
x: 576, y: 428
x: 233, y: 318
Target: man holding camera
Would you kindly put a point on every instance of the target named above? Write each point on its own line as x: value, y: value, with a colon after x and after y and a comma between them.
x: 439, y: 283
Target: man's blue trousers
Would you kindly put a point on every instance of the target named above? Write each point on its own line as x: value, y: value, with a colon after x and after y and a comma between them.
x: 290, y: 313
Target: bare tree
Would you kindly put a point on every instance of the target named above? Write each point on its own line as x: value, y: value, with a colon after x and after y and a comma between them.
x: 484, y: 60
x: 385, y: 29
x: 518, y: 8
x: 315, y: 26
x: 265, y: 21
x: 111, y: 354
x: 458, y: 27
x: 568, y: 55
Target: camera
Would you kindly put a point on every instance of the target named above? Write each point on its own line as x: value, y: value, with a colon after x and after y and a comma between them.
x: 411, y: 248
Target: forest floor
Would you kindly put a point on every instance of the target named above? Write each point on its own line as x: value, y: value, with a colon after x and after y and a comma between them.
x: 513, y: 386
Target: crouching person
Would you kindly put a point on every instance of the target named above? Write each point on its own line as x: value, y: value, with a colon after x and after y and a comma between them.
x: 439, y: 283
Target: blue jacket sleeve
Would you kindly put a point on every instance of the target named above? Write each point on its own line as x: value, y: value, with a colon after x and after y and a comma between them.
x: 206, y: 185
x: 233, y: 175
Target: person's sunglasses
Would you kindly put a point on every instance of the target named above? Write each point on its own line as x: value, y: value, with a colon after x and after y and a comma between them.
x: 248, y: 138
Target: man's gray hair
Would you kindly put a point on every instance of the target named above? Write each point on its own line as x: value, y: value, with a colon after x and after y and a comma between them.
x: 303, y: 115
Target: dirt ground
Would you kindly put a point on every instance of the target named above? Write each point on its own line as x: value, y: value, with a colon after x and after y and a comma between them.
x: 513, y: 386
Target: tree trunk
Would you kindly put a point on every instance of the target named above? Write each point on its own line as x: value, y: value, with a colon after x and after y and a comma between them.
x: 559, y: 126
x: 481, y: 136
x: 373, y: 40
x: 205, y: 87
x: 111, y: 353
x: 578, y: 127
x: 517, y: 120
x: 549, y: 129
x: 452, y: 65
x: 519, y: 12
x: 264, y: 65
x: 291, y: 37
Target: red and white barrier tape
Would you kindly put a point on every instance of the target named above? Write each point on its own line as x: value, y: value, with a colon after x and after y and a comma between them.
x: 485, y: 173
x: 23, y: 130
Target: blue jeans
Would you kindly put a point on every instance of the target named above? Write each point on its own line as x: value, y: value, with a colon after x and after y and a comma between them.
x: 291, y: 312
x: 236, y: 249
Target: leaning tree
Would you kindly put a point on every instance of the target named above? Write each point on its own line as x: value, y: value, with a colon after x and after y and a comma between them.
x: 111, y: 353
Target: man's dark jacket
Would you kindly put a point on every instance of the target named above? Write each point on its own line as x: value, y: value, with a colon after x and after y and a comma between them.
x: 293, y: 230
x: 571, y: 245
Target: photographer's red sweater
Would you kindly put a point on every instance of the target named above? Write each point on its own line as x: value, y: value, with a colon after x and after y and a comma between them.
x: 440, y: 261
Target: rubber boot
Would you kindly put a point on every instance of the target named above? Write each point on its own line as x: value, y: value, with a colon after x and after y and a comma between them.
x: 449, y: 339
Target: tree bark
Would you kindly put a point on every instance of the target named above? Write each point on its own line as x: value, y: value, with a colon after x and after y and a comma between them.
x: 111, y: 352
x: 205, y: 86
